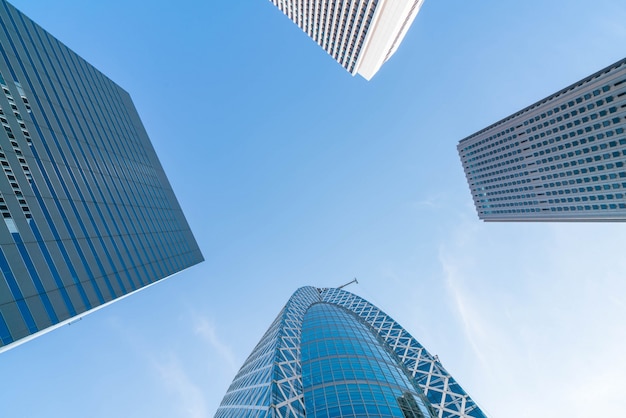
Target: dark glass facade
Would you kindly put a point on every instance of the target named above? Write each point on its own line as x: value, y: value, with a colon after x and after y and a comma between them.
x: 330, y: 353
x: 88, y: 213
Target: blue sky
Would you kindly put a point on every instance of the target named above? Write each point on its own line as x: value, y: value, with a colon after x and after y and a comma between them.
x: 291, y: 172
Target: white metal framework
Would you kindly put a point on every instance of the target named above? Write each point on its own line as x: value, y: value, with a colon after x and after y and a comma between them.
x: 270, y: 382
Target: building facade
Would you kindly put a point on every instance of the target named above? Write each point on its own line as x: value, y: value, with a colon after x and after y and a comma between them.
x: 361, y: 35
x: 560, y: 159
x: 330, y: 353
x: 88, y: 214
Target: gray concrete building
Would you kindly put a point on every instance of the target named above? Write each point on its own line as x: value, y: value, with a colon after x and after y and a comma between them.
x: 88, y: 213
x: 560, y: 159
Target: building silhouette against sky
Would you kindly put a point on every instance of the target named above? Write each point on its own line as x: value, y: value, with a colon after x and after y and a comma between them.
x: 360, y: 35
x: 88, y: 213
x: 330, y: 353
x: 560, y: 159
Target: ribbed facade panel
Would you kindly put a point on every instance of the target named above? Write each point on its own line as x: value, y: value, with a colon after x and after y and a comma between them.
x: 88, y: 213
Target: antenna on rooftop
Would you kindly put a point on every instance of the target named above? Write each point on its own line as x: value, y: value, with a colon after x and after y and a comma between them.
x: 344, y: 285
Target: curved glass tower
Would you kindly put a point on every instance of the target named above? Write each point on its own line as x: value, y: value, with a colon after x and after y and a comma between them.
x: 331, y: 354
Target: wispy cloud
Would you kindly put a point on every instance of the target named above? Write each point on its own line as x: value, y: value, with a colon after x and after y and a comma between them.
x: 434, y: 201
x: 473, y: 323
x: 181, y: 388
x: 537, y: 305
x: 204, y: 328
x: 172, y: 373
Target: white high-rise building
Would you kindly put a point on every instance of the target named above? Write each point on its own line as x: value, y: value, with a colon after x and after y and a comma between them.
x: 361, y: 35
x: 560, y: 159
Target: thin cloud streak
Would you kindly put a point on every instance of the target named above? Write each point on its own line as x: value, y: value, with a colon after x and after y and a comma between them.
x: 471, y: 320
x: 192, y: 403
x: 540, y: 315
x: 205, y: 329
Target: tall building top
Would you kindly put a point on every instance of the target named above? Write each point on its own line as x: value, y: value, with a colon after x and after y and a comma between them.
x: 330, y: 353
x: 550, y: 98
x: 560, y: 159
x: 360, y: 35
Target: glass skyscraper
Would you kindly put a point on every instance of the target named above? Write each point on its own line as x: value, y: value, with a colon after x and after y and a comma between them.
x: 88, y: 213
x: 560, y: 159
x: 361, y: 35
x: 332, y: 354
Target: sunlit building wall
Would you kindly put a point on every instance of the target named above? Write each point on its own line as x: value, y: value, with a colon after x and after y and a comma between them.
x: 360, y: 35
x: 560, y: 159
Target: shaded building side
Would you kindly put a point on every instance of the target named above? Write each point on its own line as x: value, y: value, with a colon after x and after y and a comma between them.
x: 88, y: 213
